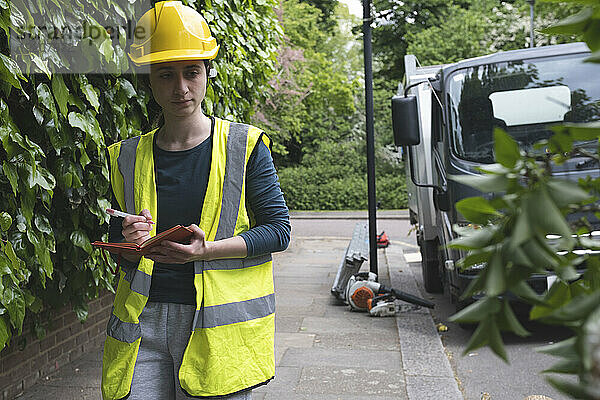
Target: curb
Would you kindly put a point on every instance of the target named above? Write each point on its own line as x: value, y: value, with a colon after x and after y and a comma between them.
x: 426, y: 367
x: 361, y: 214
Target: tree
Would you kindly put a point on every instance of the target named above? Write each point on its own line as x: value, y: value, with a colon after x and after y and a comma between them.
x: 327, y: 19
x: 313, y: 114
x: 432, y: 29
x: 312, y: 98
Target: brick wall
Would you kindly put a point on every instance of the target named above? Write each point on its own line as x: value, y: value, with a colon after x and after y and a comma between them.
x: 68, y: 340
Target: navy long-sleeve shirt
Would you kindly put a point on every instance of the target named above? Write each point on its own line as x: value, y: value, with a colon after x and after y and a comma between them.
x: 182, y: 180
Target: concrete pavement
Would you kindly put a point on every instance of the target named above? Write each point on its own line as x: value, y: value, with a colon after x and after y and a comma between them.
x: 323, y: 350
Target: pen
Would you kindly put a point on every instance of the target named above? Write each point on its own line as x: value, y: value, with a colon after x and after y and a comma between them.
x: 116, y: 213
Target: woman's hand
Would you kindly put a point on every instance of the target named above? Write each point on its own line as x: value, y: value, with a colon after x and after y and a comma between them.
x: 198, y: 249
x: 169, y: 252
x: 136, y: 228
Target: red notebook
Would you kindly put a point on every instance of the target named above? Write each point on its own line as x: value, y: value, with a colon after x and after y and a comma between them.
x: 178, y: 233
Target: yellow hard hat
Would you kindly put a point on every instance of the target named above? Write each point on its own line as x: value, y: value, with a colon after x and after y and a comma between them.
x: 172, y: 31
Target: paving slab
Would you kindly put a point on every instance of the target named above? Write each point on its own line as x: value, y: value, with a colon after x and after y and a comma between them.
x: 354, y: 380
x: 289, y: 323
x: 341, y: 358
x: 41, y: 391
x: 285, y: 379
x: 382, y: 341
x: 361, y: 324
x: 345, y: 396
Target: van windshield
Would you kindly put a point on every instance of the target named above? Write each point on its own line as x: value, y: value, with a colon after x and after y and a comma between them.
x: 523, y: 98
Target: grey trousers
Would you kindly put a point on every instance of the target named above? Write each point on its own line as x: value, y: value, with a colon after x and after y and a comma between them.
x: 166, y: 330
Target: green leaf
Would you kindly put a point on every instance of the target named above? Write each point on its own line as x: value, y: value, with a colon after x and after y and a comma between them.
x: 474, y: 258
x: 520, y: 258
x: 10, y: 171
x: 591, y: 35
x: 10, y: 72
x: 495, y: 341
x: 539, y: 254
x: 81, y: 310
x: 41, y: 64
x: 575, y: 390
x: 525, y: 292
x: 42, y: 223
x: 83, y: 159
x: 580, y: 131
x: 4, y: 333
x: 595, y: 57
x: 477, y: 311
x: 565, y: 348
x: 577, y: 309
x: 46, y: 261
x: 5, y: 221
x: 565, y: 192
x: 126, y: 87
x: 565, y: 367
x: 107, y: 51
x: 45, y: 98
x: 36, y: 306
x: 60, y: 92
x: 495, y: 168
x: 545, y: 214
x: 506, y: 148
x: 495, y: 279
x: 509, y: 321
x: 475, y: 287
x: 476, y: 209
x: 558, y: 295
x: 484, y: 183
x: 521, y: 233
x: 28, y: 203
x: 89, y: 125
x: 21, y: 223
x: 16, y: 309
x: 476, y: 239
x: 80, y: 239
x: 90, y: 94
x: 480, y: 337
x: 572, y: 25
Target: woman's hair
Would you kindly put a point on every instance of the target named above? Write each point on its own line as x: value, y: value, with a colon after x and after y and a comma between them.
x: 160, y: 118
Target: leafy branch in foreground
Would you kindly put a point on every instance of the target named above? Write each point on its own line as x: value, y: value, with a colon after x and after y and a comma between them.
x: 527, y: 227
x: 535, y: 223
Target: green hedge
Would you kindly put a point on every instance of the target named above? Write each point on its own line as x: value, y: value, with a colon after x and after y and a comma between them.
x: 334, y: 178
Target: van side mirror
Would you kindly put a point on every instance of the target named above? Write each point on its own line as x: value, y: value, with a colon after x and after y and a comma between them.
x: 405, y: 121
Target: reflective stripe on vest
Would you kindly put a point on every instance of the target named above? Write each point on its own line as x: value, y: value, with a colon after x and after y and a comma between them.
x: 237, y: 263
x: 126, y: 162
x: 233, y: 313
x: 139, y: 281
x: 233, y: 180
x: 124, y: 331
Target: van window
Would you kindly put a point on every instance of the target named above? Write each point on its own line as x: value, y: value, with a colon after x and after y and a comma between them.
x: 523, y: 98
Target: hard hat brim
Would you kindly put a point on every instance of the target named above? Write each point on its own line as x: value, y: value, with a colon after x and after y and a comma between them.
x: 174, y: 55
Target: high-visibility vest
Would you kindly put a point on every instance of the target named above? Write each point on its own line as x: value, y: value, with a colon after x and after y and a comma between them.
x: 231, y: 347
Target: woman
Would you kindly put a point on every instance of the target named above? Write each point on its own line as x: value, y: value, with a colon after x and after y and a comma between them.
x: 193, y: 319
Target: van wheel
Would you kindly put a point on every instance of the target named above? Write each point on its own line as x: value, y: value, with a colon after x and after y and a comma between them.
x: 432, y: 280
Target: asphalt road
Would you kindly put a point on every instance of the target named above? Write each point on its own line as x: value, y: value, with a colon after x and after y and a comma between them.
x: 480, y: 372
